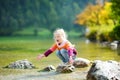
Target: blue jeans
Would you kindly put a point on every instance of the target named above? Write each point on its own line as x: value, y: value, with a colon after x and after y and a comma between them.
x: 63, y: 55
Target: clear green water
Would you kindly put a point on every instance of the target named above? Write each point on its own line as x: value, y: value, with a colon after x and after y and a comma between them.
x: 94, y: 51
x: 18, y: 48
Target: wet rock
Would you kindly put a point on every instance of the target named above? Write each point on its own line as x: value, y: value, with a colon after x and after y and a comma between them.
x: 105, y: 44
x: 81, y: 62
x: 20, y: 64
x: 114, y: 45
x: 49, y: 68
x: 65, y: 68
x: 104, y: 70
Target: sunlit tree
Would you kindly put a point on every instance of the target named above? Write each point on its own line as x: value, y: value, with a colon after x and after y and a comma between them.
x: 97, y: 19
x: 94, y: 15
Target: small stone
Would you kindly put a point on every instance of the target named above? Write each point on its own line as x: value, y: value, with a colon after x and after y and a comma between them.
x: 49, y: 68
x: 65, y: 68
x: 81, y: 62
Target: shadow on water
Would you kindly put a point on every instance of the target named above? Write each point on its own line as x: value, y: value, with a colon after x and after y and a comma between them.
x: 118, y: 52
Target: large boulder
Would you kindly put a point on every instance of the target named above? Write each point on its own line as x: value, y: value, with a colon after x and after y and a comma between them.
x: 104, y: 70
x: 63, y: 68
x: 20, y: 64
x: 81, y: 62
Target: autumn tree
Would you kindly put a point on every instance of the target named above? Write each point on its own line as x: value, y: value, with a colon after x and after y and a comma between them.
x: 94, y: 15
x: 96, y: 18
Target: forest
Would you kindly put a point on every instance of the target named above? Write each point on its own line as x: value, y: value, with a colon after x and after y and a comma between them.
x: 26, y: 31
x: 19, y: 16
x: 41, y: 17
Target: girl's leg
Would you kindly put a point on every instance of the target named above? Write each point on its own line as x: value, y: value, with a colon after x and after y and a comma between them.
x: 65, y: 55
x: 58, y: 53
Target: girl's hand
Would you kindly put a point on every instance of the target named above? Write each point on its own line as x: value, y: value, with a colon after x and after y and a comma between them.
x: 40, y: 56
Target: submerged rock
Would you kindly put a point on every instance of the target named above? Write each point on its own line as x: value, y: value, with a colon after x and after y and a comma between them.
x: 20, y: 64
x: 65, y: 68
x: 49, y: 68
x: 104, y: 70
x: 81, y: 62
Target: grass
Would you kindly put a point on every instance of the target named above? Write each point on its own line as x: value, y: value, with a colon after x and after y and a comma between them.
x: 32, y: 31
x: 44, y: 33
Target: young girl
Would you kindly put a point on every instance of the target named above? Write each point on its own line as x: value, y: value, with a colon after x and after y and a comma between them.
x: 65, y: 50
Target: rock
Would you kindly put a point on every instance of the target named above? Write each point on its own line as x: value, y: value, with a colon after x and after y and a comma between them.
x: 81, y: 62
x: 115, y: 45
x: 104, y: 70
x: 65, y: 68
x: 20, y: 64
x: 105, y: 44
x: 49, y: 68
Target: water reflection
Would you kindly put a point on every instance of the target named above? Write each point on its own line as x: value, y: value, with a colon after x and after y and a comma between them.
x: 94, y: 51
x: 118, y: 52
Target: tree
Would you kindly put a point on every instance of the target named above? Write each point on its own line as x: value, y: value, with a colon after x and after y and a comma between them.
x: 94, y: 15
x: 115, y: 34
x: 97, y: 18
x: 115, y: 10
x: 49, y: 14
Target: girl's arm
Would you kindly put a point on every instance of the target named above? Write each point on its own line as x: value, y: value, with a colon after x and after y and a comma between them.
x: 48, y: 52
x: 71, y: 52
x: 40, y: 56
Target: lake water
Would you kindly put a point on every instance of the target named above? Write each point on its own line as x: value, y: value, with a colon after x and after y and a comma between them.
x: 24, y: 48
x: 94, y: 51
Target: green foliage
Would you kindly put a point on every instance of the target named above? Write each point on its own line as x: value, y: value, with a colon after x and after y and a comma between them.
x: 100, y: 32
x: 115, y: 34
x: 115, y: 9
x: 74, y: 34
x: 45, y: 33
x: 117, y: 31
x: 50, y: 14
x: 32, y: 31
x: 92, y: 36
x: 99, y: 20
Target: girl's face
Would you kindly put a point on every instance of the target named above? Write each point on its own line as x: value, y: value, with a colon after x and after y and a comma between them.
x: 58, y: 38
